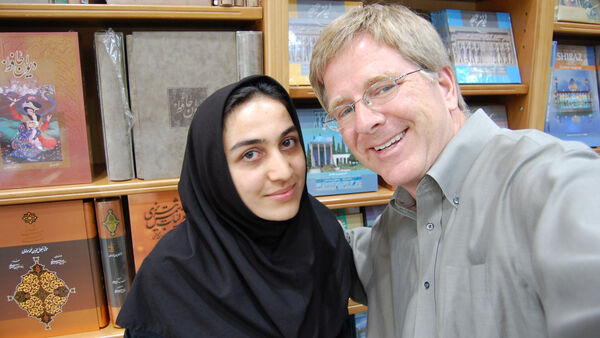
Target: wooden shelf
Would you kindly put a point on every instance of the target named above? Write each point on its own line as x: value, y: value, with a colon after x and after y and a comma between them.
x: 105, y: 332
x: 354, y: 307
x: 573, y: 28
x: 381, y: 196
x: 306, y: 92
x: 133, y: 12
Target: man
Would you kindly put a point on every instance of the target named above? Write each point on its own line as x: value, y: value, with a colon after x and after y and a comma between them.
x: 491, y: 232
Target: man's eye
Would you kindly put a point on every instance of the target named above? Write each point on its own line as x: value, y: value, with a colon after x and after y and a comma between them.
x: 381, y: 90
x: 343, y: 111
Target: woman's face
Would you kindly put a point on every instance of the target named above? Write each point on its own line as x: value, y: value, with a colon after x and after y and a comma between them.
x: 265, y: 158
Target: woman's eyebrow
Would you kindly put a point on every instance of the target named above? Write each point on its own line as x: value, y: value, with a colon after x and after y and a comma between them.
x: 259, y: 140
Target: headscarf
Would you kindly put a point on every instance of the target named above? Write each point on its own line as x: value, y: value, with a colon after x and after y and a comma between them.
x: 225, y: 272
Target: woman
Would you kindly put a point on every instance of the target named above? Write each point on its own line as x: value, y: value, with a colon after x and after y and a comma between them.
x: 257, y: 256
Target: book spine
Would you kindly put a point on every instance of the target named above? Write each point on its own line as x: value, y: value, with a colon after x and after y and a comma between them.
x: 96, y: 267
x: 118, y: 272
x: 249, y: 53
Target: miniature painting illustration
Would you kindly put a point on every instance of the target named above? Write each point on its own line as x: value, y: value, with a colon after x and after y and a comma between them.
x: 41, y: 293
x: 29, y: 123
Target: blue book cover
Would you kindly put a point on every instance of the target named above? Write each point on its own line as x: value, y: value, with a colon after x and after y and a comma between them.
x: 481, y: 45
x: 360, y: 321
x: 572, y: 111
x: 331, y: 168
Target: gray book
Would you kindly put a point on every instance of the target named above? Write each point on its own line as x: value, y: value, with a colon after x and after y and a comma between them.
x: 249, y: 53
x: 114, y: 105
x: 171, y: 73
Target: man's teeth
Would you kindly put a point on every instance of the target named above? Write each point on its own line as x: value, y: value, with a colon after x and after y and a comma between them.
x: 390, y: 142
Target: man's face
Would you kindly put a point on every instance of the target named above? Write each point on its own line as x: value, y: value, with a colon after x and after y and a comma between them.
x: 402, y: 139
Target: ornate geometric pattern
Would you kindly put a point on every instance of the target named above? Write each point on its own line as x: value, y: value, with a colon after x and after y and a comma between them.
x: 29, y: 217
x: 41, y: 293
x: 111, y: 222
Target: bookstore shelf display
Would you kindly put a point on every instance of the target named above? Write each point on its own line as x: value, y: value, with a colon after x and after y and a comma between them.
x: 533, y: 24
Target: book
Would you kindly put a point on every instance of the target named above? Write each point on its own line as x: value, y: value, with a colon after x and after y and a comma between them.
x: 117, y: 120
x: 481, y: 45
x: 151, y: 216
x: 249, y: 53
x: 360, y: 322
x: 371, y: 213
x: 160, y: 2
x: 572, y: 110
x: 43, y: 136
x: 307, y: 19
x: 115, y: 253
x: 170, y: 74
x: 349, y: 218
x: 331, y: 168
x: 577, y: 11
x: 497, y: 112
x: 51, y: 273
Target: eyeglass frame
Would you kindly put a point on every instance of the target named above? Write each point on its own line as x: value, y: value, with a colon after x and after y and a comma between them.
x: 329, y: 120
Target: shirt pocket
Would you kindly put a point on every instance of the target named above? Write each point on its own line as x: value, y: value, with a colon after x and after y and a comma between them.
x: 464, y: 308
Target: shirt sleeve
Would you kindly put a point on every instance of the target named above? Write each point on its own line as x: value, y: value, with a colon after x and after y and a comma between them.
x: 359, y: 239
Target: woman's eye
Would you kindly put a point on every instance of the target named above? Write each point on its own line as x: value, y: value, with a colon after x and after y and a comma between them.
x: 250, y: 155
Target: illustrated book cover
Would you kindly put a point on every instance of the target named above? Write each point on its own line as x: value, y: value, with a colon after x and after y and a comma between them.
x: 587, y: 11
x: 307, y: 19
x: 572, y: 110
x: 43, y: 136
x: 117, y: 120
x: 372, y: 212
x: 331, y: 168
x: 51, y: 277
x: 115, y: 252
x: 151, y: 216
x: 481, y: 45
x: 170, y: 75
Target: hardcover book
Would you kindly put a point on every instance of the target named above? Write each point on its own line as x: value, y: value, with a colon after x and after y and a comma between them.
x: 307, y: 19
x: 372, y: 212
x: 572, y: 110
x: 349, y: 218
x: 115, y: 253
x: 152, y: 215
x: 170, y: 74
x: 117, y: 120
x: 331, y: 168
x: 577, y: 11
x: 51, y: 279
x: 481, y: 44
x: 43, y: 137
x: 496, y: 112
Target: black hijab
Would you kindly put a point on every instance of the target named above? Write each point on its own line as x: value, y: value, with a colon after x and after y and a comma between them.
x: 226, y: 272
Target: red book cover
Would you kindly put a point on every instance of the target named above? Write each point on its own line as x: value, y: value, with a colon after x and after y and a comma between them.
x: 43, y: 137
x: 152, y: 215
x: 50, y: 277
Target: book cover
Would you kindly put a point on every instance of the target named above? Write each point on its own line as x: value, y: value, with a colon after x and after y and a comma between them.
x: 43, y: 136
x: 151, y: 216
x: 481, y: 45
x: 50, y: 278
x: 115, y: 253
x: 372, y: 212
x: 307, y: 19
x: 249, y: 53
x: 331, y: 168
x: 496, y: 112
x: 349, y: 218
x: 577, y: 11
x: 171, y: 73
x: 117, y: 120
x: 360, y: 322
x: 572, y: 111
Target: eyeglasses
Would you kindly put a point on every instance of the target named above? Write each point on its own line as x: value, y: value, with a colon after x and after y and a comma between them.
x: 378, y: 94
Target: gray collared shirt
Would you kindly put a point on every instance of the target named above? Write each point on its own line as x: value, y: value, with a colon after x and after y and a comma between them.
x: 503, y: 240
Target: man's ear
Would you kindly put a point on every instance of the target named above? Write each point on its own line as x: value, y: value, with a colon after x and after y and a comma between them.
x: 448, y: 86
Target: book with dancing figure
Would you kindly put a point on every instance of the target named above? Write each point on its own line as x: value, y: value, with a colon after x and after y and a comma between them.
x: 51, y: 276
x: 331, y: 168
x: 152, y: 215
x: 43, y: 136
x: 481, y: 44
x: 572, y: 110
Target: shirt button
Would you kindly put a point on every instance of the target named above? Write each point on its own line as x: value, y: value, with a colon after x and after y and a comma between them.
x: 429, y: 226
x: 426, y: 284
x: 456, y: 200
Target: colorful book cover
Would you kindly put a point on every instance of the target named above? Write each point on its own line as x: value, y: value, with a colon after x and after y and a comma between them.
x: 151, y: 216
x: 349, y: 218
x: 116, y: 256
x: 360, y: 322
x: 307, y: 19
x: 572, y: 111
x: 50, y: 277
x: 43, y: 137
x: 577, y: 11
x: 481, y: 45
x: 372, y: 212
x: 331, y: 168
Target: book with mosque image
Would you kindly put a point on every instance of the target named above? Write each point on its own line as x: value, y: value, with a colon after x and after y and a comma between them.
x: 331, y: 168
x: 43, y: 137
x: 572, y: 109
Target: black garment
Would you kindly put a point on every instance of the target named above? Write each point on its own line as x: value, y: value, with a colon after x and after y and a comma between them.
x: 225, y: 272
